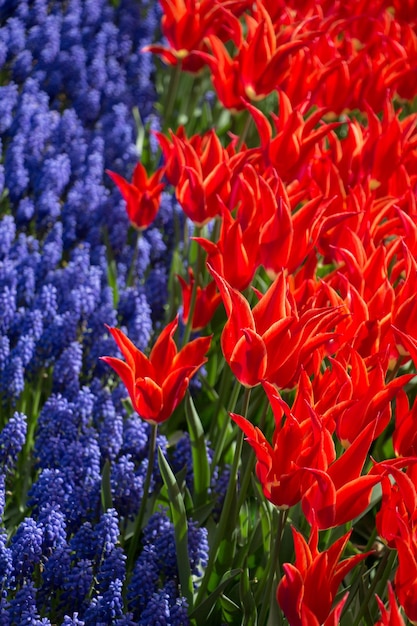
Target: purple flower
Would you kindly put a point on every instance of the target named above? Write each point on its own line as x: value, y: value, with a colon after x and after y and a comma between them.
x: 26, y: 549
x: 67, y: 371
x: 53, y: 524
x: 153, y: 592
x: 8, y: 100
x: 110, y: 427
x: 107, y: 608
x: 135, y: 315
x: 16, y: 35
x: 113, y: 567
x: 83, y: 542
x: 22, y: 66
x: 7, y: 306
x: 163, y: 609
x: 23, y: 609
x: 156, y: 288
x: 144, y: 581
x: 77, y: 585
x: 73, y: 621
x: 12, y: 381
x: 50, y: 489
x: 107, y: 533
x: 6, y: 562
x: 4, y: 350
x: 126, y: 486
x: 12, y: 439
x: 55, y: 173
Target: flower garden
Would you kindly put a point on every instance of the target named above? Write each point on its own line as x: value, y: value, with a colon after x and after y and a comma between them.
x: 208, y: 335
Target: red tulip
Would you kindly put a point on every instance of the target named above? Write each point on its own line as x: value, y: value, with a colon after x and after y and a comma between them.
x: 308, y: 588
x: 234, y: 256
x: 206, y: 302
x: 293, y: 144
x: 341, y: 493
x: 271, y: 342
x: 156, y: 385
x: 396, y: 523
x: 199, y: 169
x: 390, y: 616
x: 404, y: 437
x: 307, y: 443
x: 142, y: 195
x: 262, y: 60
x: 186, y: 24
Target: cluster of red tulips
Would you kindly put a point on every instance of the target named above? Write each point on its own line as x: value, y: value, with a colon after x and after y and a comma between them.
x: 307, y: 221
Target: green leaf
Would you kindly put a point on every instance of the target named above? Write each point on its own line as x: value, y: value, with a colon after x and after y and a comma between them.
x: 229, y: 610
x: 199, y: 454
x: 202, y: 612
x: 247, y: 601
x: 179, y: 519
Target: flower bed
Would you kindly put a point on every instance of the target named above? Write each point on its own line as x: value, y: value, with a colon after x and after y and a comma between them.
x: 207, y: 324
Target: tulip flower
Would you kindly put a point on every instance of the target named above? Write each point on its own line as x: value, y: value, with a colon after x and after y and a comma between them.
x: 199, y: 169
x: 294, y: 142
x: 156, y: 385
x: 186, y: 24
x: 272, y: 341
x: 235, y: 254
x: 390, y: 616
x: 396, y: 523
x: 371, y: 397
x: 404, y: 437
x: 297, y: 234
x: 253, y: 205
x: 341, y: 493
x: 262, y: 60
x: 307, y: 443
x: 206, y: 302
x: 142, y: 195
x: 332, y: 491
x: 308, y: 588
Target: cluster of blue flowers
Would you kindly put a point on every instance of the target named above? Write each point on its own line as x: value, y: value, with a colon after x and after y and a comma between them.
x: 72, y: 82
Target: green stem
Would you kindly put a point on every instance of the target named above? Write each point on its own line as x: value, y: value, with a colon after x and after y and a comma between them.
x: 193, y: 299
x: 171, y: 95
x: 225, y: 382
x: 248, y: 471
x: 130, y: 275
x: 227, y: 508
x: 221, y: 436
x: 139, y: 519
x: 357, y: 574
x: 278, y: 523
x: 224, y: 519
x: 245, y: 131
x: 381, y: 577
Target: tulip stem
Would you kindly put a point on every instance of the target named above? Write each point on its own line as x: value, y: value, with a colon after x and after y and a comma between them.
x: 279, y: 519
x: 139, y: 518
x: 224, y: 381
x: 248, y: 471
x: 130, y: 274
x: 245, y: 131
x: 382, y: 574
x: 193, y: 298
x: 220, y: 438
x: 171, y: 95
x: 225, y: 517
